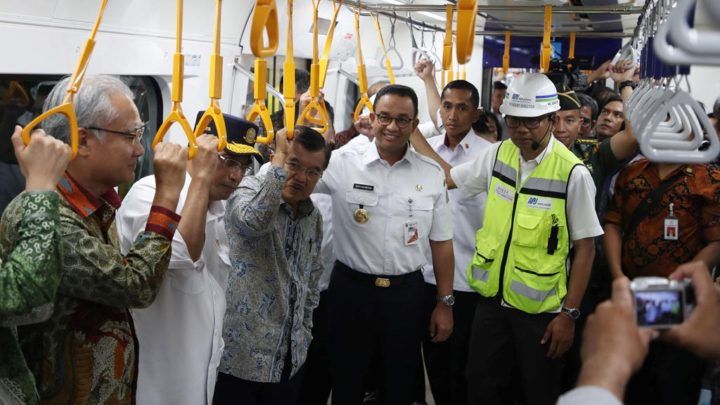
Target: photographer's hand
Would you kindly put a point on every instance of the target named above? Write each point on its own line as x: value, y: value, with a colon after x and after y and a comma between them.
x: 700, y: 332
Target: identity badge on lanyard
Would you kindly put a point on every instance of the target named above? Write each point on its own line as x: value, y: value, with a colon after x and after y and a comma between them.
x: 672, y: 227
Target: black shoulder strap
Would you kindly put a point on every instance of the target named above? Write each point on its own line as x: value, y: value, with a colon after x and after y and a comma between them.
x: 652, y: 200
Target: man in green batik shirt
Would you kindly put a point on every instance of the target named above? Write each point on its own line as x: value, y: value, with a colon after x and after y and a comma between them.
x: 85, y: 352
x: 29, y: 258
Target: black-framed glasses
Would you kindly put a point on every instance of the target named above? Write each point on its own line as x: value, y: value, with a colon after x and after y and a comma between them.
x: 135, y: 134
x: 401, y: 122
x: 528, y: 122
x: 311, y: 173
x: 233, y: 164
x: 586, y: 121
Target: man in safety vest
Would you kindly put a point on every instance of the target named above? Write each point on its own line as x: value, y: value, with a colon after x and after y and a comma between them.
x: 540, y: 208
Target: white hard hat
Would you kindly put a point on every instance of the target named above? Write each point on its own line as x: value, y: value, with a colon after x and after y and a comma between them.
x: 530, y: 95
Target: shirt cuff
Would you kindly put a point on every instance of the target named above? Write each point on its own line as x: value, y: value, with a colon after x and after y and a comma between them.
x: 162, y: 221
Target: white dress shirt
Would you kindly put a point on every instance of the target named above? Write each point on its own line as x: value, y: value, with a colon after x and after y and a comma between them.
x: 467, y: 209
x: 588, y: 395
x: 474, y: 177
x: 180, y: 334
x: 408, y: 196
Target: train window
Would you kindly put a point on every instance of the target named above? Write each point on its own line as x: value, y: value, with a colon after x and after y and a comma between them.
x: 21, y: 100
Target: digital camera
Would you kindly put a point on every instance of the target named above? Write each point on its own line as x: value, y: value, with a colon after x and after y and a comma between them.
x: 661, y: 303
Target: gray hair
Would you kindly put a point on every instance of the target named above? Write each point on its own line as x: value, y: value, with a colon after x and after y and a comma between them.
x: 92, y: 104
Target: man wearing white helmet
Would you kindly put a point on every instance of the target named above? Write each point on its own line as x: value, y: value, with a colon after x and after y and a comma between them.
x: 540, y: 207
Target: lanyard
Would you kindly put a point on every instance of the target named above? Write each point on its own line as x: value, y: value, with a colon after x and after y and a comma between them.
x: 325, y: 58
x: 362, y: 74
x: 67, y: 108
x: 315, y: 112
x: 176, y: 114
x: 213, y: 113
x: 265, y: 19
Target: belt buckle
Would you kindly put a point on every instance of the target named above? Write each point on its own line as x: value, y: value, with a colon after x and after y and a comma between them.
x: 382, y: 282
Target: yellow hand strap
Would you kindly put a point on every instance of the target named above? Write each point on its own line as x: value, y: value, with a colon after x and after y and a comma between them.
x: 325, y: 58
x: 67, y: 108
x: 447, y: 46
x: 315, y: 112
x: 571, y: 52
x: 176, y: 114
x: 213, y: 113
x: 466, y: 14
x: 506, y: 55
x: 388, y: 65
x: 265, y: 19
x: 546, y: 53
x: 362, y: 74
x: 289, y: 77
x: 15, y: 89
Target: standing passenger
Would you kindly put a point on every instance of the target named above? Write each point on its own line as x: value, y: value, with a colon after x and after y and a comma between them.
x: 85, y: 353
x: 389, y: 207
x: 275, y: 235
x: 180, y: 334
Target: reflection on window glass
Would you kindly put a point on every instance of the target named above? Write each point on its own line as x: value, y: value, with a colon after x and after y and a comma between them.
x: 21, y: 100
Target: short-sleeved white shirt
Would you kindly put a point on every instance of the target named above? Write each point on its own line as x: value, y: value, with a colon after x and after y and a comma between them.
x: 474, y: 177
x: 409, y: 195
x: 467, y: 209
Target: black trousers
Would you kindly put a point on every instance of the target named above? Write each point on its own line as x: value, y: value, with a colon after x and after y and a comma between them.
x: 231, y: 390
x: 446, y: 362
x: 316, y: 385
x: 669, y: 375
x: 506, y: 341
x: 366, y: 320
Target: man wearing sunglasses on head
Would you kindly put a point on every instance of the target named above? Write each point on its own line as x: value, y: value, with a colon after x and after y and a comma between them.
x: 540, y: 206
x: 180, y: 333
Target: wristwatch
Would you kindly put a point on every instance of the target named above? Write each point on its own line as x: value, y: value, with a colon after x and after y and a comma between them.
x: 448, y: 300
x: 573, y: 313
x: 627, y: 83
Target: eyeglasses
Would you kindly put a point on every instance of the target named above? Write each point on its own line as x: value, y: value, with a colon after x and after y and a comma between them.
x: 135, y: 135
x: 233, y: 164
x: 528, y: 122
x: 401, y: 122
x: 311, y: 173
x: 586, y: 121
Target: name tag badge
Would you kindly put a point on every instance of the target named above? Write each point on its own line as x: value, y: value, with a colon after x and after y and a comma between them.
x: 672, y: 229
x: 504, y: 193
x: 366, y: 187
x: 411, y: 233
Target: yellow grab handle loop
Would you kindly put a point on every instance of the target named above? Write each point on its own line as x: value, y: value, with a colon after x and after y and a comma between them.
x: 363, y: 103
x: 447, y: 46
x: 571, y: 52
x: 67, y: 107
x: 288, y: 77
x: 462, y: 73
x: 466, y: 14
x: 388, y: 65
x: 259, y: 108
x: 315, y: 107
x: 362, y: 74
x: 325, y: 58
x: 546, y: 53
x: 506, y: 55
x: 15, y: 89
x: 265, y: 19
x: 213, y: 112
x: 176, y: 114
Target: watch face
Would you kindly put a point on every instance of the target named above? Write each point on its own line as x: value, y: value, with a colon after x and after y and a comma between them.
x: 451, y: 300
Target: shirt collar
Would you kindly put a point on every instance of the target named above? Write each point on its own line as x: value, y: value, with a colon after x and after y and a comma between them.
x: 81, y: 200
x: 468, y: 142
x: 371, y: 155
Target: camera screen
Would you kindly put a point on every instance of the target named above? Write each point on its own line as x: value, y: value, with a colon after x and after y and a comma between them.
x: 662, y: 307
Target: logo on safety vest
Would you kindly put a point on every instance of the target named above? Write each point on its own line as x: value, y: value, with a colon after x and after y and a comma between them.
x: 539, y: 203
